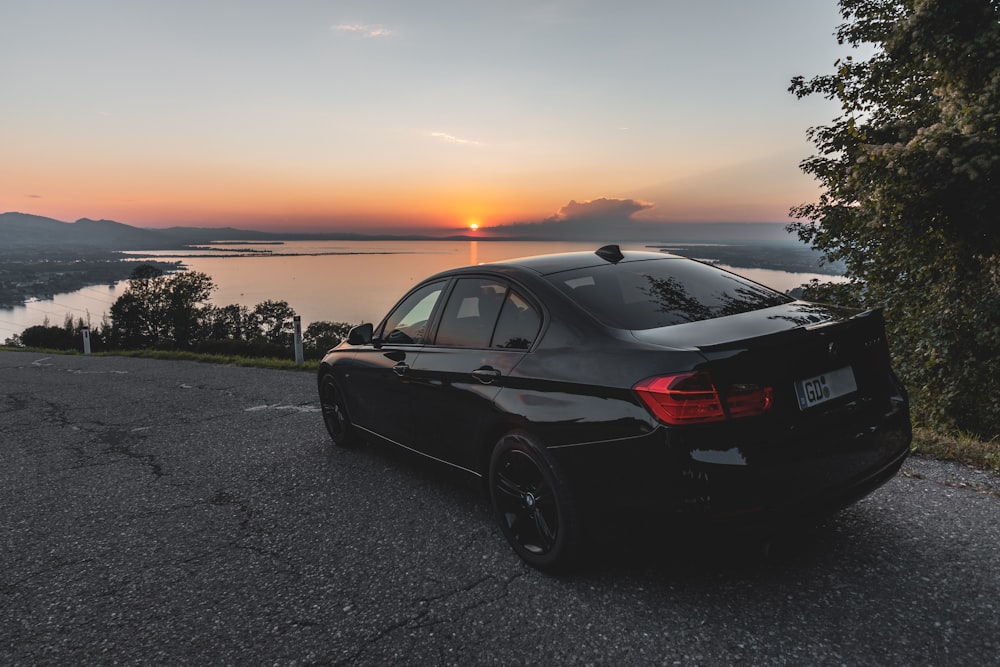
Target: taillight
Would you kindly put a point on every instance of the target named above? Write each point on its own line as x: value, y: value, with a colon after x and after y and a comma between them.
x: 692, y: 398
x: 688, y: 398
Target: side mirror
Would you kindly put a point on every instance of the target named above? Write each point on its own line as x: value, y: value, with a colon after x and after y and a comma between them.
x: 361, y: 334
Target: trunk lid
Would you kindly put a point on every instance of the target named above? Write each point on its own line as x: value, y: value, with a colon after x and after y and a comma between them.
x: 819, y: 360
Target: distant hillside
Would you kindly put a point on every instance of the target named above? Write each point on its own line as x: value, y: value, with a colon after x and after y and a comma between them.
x: 37, y: 235
x: 25, y: 232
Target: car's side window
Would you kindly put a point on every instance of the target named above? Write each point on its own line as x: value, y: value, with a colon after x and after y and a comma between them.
x: 471, y: 313
x: 407, y: 324
x: 518, y: 325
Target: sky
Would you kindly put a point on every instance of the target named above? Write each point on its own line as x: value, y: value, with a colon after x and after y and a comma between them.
x: 398, y: 115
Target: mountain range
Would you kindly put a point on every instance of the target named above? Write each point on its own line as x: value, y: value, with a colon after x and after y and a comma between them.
x: 23, y: 231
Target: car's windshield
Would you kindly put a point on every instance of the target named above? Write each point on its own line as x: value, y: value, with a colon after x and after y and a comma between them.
x: 662, y: 292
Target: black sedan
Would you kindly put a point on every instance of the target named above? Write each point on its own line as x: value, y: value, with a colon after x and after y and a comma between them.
x: 580, y: 385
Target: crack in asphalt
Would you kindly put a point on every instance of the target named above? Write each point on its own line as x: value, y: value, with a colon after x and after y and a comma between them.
x: 223, y: 498
x: 58, y: 413
x: 504, y: 585
x: 118, y: 447
x: 118, y: 443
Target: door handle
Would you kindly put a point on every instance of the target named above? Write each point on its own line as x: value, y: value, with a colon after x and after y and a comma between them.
x: 400, y: 369
x: 486, y: 374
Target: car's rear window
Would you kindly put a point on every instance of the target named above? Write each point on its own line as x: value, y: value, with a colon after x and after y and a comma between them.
x: 662, y: 292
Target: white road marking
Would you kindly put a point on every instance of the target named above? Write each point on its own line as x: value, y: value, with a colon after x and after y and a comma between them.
x: 279, y: 406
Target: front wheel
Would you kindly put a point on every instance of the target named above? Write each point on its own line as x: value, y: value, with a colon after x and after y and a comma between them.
x: 338, y: 425
x: 533, y: 504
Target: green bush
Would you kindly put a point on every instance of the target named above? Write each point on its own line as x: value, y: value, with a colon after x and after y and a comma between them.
x: 52, y: 338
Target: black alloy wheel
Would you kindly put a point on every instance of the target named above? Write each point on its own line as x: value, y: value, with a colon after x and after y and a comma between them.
x: 533, y: 504
x: 334, y: 415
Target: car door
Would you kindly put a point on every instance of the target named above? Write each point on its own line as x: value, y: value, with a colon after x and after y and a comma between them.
x: 380, y: 396
x: 484, y: 331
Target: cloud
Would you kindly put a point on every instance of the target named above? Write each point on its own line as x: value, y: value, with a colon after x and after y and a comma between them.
x: 363, y: 29
x: 603, y: 208
x: 600, y: 219
x: 444, y: 136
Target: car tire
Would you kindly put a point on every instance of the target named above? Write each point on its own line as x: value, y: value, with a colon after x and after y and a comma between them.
x: 335, y: 418
x: 533, y: 504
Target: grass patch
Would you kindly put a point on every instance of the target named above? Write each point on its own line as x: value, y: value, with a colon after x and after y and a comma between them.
x: 930, y: 444
x: 38, y: 350
x: 180, y: 355
x: 223, y: 359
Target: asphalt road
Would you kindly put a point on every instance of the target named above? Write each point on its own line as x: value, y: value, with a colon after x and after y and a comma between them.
x: 170, y: 512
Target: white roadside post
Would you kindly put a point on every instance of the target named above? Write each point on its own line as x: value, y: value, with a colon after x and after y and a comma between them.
x: 86, y: 340
x: 298, y: 339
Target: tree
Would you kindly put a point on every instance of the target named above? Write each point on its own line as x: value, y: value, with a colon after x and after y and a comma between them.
x: 274, y: 321
x: 321, y: 336
x: 910, y: 193
x: 186, y: 295
x: 231, y: 322
x: 162, y: 310
x: 145, y: 271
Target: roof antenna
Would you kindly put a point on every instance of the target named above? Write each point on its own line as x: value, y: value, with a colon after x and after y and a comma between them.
x: 610, y: 253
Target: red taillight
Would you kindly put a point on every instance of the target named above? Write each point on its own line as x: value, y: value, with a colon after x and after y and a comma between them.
x: 747, y: 400
x: 687, y: 398
x: 692, y: 398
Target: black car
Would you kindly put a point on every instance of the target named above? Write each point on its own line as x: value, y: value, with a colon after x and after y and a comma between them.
x: 580, y: 385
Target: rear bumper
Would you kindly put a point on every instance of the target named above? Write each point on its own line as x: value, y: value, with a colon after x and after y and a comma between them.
x: 741, y: 475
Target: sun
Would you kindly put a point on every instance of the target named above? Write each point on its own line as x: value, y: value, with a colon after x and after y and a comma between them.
x: 473, y: 225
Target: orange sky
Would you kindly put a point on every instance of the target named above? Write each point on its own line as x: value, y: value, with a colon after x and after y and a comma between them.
x: 386, y: 116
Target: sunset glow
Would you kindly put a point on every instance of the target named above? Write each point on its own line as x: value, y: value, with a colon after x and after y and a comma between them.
x: 407, y: 116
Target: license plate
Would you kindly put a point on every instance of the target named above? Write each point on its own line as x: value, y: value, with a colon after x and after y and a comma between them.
x: 825, y: 387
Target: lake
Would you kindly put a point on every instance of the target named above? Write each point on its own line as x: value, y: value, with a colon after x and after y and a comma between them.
x: 339, y: 281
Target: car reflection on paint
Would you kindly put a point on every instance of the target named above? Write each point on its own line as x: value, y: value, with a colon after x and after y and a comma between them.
x: 583, y: 384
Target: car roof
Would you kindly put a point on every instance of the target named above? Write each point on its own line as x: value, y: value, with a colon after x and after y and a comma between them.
x: 568, y: 261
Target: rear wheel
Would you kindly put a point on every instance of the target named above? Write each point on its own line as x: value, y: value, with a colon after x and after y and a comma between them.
x: 533, y: 504
x: 334, y: 415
